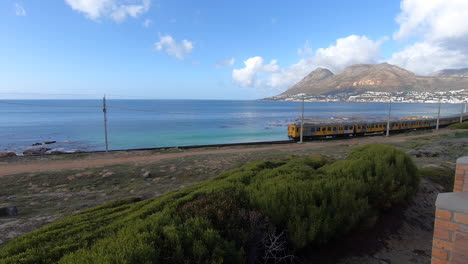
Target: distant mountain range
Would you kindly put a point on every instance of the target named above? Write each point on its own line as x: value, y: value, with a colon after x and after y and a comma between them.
x: 384, y: 77
x: 463, y: 72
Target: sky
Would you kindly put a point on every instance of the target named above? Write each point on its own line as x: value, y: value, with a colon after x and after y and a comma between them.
x: 161, y: 49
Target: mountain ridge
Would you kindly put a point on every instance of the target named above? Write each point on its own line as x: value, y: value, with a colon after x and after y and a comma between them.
x: 383, y: 77
x: 461, y: 72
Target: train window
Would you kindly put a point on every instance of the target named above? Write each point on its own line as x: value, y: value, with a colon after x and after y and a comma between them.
x: 334, y: 128
x: 329, y: 128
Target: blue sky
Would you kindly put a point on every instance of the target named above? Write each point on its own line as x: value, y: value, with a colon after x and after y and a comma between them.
x: 214, y: 49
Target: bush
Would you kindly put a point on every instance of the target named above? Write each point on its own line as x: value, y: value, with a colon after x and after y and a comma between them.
x: 442, y: 176
x: 463, y: 125
x: 225, y: 220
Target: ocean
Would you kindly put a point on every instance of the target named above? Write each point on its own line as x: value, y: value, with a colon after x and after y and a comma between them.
x: 78, y: 124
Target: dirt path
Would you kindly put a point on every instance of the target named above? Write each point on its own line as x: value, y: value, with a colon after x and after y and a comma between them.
x: 121, y: 158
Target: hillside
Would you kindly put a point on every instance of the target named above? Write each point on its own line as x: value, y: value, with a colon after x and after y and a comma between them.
x: 382, y: 77
x: 463, y: 72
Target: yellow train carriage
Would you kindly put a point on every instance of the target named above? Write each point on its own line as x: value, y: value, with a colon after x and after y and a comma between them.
x: 320, y: 130
x: 311, y: 130
x: 293, y: 131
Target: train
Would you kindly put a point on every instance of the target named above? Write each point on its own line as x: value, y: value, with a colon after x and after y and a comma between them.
x: 361, y: 128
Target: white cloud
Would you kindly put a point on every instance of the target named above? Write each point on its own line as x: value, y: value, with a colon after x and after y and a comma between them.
x: 118, y: 10
x: 304, y: 51
x: 425, y: 58
x: 435, y: 19
x: 147, y: 23
x: 228, y: 62
x: 444, y: 35
x: 170, y: 46
x: 19, y: 10
x: 255, y: 66
x: 347, y: 51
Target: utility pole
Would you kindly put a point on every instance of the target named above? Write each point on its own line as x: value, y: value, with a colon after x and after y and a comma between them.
x: 104, y: 110
x: 302, y: 118
x: 438, y: 117
x: 461, y: 114
x: 388, y: 119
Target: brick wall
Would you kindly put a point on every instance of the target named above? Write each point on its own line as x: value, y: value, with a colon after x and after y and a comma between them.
x: 461, y: 176
x: 450, y: 241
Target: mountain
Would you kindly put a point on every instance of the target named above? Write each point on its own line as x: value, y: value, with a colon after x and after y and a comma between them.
x: 382, y: 77
x: 463, y: 72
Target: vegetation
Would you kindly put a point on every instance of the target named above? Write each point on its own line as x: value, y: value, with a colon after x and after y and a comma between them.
x: 232, y: 218
x: 463, y: 125
x: 442, y: 176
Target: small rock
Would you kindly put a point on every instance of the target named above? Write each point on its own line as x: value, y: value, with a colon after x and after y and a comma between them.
x: 36, y: 144
x: 8, y: 211
x: 57, y: 152
x: 38, y: 151
x: 50, y: 142
x: 71, y: 177
x: 107, y: 174
x: 147, y: 174
x: 7, y: 154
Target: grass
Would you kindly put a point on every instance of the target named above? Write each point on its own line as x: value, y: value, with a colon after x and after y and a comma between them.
x: 443, y: 176
x: 463, y: 125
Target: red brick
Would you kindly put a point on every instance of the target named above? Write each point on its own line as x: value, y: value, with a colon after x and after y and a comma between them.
x: 445, y: 225
x: 441, y: 244
x: 439, y: 253
x: 461, y: 218
x: 442, y: 234
x: 438, y: 261
x: 458, y: 259
x: 458, y: 182
x: 459, y: 254
x: 444, y: 214
x: 462, y: 167
x: 457, y: 188
x: 459, y: 177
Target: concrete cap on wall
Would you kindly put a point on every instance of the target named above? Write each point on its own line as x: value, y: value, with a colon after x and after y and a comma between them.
x: 463, y: 160
x: 457, y: 202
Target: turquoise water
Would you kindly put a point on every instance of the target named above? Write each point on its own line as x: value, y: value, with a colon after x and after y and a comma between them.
x: 78, y: 124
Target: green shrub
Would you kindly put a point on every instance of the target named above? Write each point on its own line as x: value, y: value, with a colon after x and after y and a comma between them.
x: 442, y: 176
x: 225, y: 220
x: 463, y: 125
